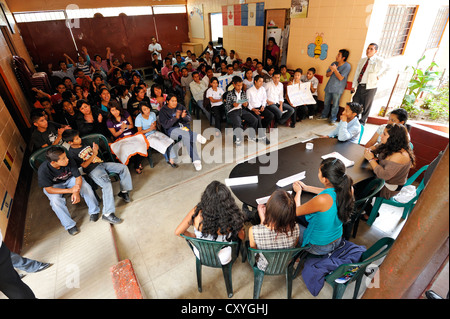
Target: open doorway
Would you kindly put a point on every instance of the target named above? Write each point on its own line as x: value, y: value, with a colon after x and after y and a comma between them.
x: 216, y: 28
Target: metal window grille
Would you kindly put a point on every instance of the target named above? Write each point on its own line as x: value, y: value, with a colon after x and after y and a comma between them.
x: 438, y: 28
x: 396, y: 29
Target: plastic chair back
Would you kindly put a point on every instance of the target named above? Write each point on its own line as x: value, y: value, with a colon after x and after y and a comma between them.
x: 278, y: 259
x: 37, y: 158
x: 360, y: 204
x: 356, y: 271
x: 103, y: 146
x: 361, y: 134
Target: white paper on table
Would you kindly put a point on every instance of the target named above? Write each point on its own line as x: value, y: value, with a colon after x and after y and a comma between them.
x: 265, y: 199
x: 337, y: 155
x: 291, y: 179
x: 300, y: 94
x: 241, y: 180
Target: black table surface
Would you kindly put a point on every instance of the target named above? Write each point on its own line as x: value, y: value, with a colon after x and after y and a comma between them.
x: 293, y: 160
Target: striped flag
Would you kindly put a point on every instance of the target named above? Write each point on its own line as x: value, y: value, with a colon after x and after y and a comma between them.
x: 251, y: 14
x: 231, y: 15
x: 8, y: 160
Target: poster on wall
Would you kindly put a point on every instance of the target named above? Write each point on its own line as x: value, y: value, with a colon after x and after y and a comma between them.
x: 299, y: 9
x: 196, y: 21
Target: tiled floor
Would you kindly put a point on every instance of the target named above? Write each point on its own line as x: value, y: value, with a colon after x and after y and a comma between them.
x: 163, y: 263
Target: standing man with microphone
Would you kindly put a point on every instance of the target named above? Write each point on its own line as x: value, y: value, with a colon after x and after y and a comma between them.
x: 369, y: 70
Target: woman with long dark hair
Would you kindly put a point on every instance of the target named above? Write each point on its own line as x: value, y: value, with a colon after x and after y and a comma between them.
x: 278, y: 228
x: 322, y: 217
x: 391, y: 160
x: 216, y: 217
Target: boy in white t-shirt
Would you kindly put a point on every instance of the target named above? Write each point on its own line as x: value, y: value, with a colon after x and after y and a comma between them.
x: 155, y: 47
x: 214, y: 94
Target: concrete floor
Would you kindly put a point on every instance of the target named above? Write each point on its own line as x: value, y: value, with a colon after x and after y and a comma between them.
x: 163, y: 263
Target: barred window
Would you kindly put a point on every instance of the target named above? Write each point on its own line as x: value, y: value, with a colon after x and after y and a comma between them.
x: 396, y: 30
x: 438, y: 28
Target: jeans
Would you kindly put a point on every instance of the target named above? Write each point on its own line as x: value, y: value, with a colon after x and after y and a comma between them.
x: 319, y: 249
x: 25, y: 264
x: 100, y: 176
x: 331, y: 97
x: 236, y: 118
x: 189, y: 139
x: 281, y: 117
x: 58, y: 202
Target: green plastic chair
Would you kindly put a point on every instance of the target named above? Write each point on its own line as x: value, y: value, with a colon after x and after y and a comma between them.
x: 360, y: 204
x: 104, y: 151
x: 38, y: 157
x: 208, y: 251
x: 280, y: 262
x: 361, y: 134
x: 356, y: 271
x: 407, y: 207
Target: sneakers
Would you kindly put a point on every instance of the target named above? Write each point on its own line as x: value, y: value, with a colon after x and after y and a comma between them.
x: 112, y: 219
x: 94, y: 217
x: 197, y: 165
x: 201, y: 139
x: 73, y: 231
x: 238, y: 141
x: 124, y: 196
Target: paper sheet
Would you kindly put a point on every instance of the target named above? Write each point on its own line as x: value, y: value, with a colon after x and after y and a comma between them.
x: 300, y: 94
x: 337, y: 155
x: 241, y: 180
x: 291, y: 179
x: 265, y: 199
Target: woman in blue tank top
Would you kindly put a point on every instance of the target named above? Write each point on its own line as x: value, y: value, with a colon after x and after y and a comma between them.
x: 325, y: 214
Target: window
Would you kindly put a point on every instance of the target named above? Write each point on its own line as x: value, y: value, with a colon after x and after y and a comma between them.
x: 215, y: 20
x: 169, y: 9
x: 438, y: 28
x: 396, y: 30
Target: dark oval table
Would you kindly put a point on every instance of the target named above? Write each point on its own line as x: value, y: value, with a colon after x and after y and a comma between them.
x: 293, y: 160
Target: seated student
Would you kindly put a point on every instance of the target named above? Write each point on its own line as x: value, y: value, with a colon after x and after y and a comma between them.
x: 223, y: 54
x: 275, y: 100
x: 138, y: 95
x: 248, y: 79
x: 216, y: 65
x: 261, y: 72
x: 269, y: 64
x: 105, y: 100
x: 257, y: 101
x: 186, y: 79
x: 216, y: 217
x: 175, y: 77
x: 146, y: 124
x: 166, y: 69
x: 129, y: 71
x: 45, y: 104
x: 248, y: 65
x: 188, y: 57
x: 135, y: 81
x: 57, y: 97
x: 237, y: 67
x: 189, y: 68
x: 68, y: 82
x: 209, y: 74
x: 45, y: 133
x: 91, y: 120
x: 85, y: 156
x: 197, y: 88
x: 59, y: 175
x: 214, y: 94
x: 391, y: 160
x: 322, y: 218
x: 84, y: 65
x: 278, y: 228
x: 209, y: 49
x: 230, y: 70
x: 300, y: 110
x: 236, y: 107
x: 232, y: 57
x: 194, y: 61
x: 172, y: 58
x: 70, y: 114
x: 223, y: 68
x: 180, y: 63
x: 175, y: 120
x: 120, y: 124
x: 349, y: 127
x: 64, y: 72
x: 397, y: 116
x: 285, y: 75
x: 123, y: 96
x: 208, y: 59
x: 309, y: 77
x: 157, y: 66
x: 157, y: 97
x: 82, y: 80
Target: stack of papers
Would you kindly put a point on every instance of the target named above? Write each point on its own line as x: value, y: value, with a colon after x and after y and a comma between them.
x: 265, y: 199
x: 337, y: 155
x: 291, y: 179
x: 241, y: 180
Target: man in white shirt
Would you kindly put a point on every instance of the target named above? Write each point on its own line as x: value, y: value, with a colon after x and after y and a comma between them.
x: 194, y: 61
x: 257, y: 101
x: 155, y: 47
x: 275, y: 99
x: 208, y: 76
x: 261, y: 72
x: 197, y: 88
x: 369, y: 70
x: 231, y: 58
